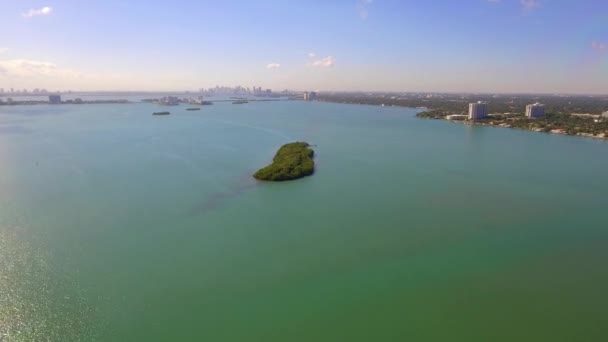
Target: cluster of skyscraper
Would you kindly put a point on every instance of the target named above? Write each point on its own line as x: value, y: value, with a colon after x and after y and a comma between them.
x: 479, y: 110
x: 238, y: 90
x: 259, y: 91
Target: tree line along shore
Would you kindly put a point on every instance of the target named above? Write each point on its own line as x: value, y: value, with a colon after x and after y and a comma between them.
x: 564, y: 114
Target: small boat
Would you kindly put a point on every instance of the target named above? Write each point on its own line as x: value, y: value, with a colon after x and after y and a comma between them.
x: 161, y: 113
x: 193, y: 108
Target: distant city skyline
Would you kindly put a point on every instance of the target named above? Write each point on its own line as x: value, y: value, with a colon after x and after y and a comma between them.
x: 489, y: 46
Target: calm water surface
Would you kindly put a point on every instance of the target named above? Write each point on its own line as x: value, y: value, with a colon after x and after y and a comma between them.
x: 116, y: 225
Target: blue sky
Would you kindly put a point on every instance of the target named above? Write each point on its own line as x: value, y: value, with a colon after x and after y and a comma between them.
x: 369, y: 45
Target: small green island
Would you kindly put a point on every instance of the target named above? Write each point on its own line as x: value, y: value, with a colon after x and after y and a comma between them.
x: 292, y: 161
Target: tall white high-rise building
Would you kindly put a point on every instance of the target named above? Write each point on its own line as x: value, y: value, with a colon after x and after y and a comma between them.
x: 478, y: 110
x: 309, y: 96
x: 535, y: 110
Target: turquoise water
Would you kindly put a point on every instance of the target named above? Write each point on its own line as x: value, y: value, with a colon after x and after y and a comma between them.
x: 116, y: 225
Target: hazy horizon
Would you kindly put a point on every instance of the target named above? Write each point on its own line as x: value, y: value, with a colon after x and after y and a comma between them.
x: 18, y: 92
x: 475, y: 46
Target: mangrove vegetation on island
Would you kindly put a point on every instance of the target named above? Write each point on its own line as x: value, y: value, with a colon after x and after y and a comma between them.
x: 292, y: 161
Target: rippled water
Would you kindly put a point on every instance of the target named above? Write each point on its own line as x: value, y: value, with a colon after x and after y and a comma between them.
x: 116, y: 225
x: 37, y: 303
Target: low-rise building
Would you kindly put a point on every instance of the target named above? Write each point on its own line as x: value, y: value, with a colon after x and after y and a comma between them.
x: 456, y: 117
x: 535, y: 110
x: 605, y: 114
x: 54, y: 99
x: 169, y: 101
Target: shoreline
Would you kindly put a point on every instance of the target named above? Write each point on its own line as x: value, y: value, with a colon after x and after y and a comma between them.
x: 371, y: 104
x: 556, y: 132
x: 35, y: 103
x: 93, y: 102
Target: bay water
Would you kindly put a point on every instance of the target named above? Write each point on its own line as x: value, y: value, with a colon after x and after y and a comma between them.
x: 117, y: 225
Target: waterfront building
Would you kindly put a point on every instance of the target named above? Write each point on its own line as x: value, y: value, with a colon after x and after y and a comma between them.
x: 54, y: 99
x: 478, y: 110
x: 169, y: 101
x: 605, y: 114
x: 456, y: 117
x: 310, y: 96
x: 535, y: 110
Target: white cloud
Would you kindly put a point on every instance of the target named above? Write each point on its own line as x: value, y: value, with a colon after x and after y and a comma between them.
x: 312, y: 55
x: 325, y: 62
x: 530, y: 5
x: 30, y: 68
x: 34, y: 12
x: 362, y: 7
x: 273, y: 66
x: 3, y: 50
x: 26, y: 73
x: 599, y: 46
